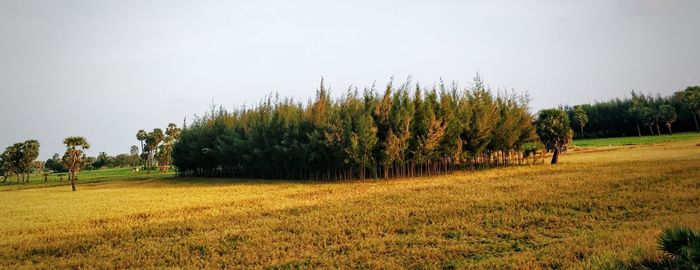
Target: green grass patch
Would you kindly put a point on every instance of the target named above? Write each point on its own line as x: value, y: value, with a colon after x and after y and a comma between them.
x: 92, y: 176
x: 620, y: 141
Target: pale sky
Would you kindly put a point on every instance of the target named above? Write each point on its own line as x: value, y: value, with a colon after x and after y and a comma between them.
x: 105, y: 69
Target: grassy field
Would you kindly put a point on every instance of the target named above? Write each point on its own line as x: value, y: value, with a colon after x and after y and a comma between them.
x: 619, y: 141
x: 602, y: 208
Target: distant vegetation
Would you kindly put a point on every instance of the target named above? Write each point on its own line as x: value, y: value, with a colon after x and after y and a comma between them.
x: 638, y: 115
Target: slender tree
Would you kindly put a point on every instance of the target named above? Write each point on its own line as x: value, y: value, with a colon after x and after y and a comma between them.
x: 581, y: 118
x: 153, y: 140
x: 30, y: 152
x: 141, y: 136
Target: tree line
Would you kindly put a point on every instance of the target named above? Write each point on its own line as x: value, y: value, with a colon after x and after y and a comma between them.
x: 102, y: 160
x: 404, y: 131
x: 638, y: 115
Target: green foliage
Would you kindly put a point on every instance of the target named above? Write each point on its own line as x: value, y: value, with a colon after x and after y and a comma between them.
x: 55, y: 164
x: 18, y: 159
x: 553, y: 128
x: 682, y: 245
x: 667, y: 115
x: 404, y: 131
x: 158, y: 147
x: 103, y: 160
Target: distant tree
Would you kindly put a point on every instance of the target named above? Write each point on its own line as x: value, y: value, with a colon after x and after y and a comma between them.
x: 554, y: 130
x: 173, y: 132
x: 637, y: 111
x: 8, y: 162
x: 74, y: 158
x: 134, y: 151
x: 55, y: 164
x: 153, y: 140
x: 141, y: 135
x: 30, y: 152
x: 164, y: 154
x: 165, y: 150
x: 19, y: 159
x: 102, y: 160
x: 667, y: 114
x: 648, y: 117
x: 581, y: 117
x: 692, y: 98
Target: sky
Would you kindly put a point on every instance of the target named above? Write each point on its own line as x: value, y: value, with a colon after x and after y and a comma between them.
x: 105, y: 69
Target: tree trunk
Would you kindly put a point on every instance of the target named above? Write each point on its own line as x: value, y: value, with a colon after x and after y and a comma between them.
x: 555, y: 156
x: 72, y: 180
x: 658, y: 131
x: 651, y: 130
x: 668, y: 125
x: 142, y: 161
x: 695, y: 118
x: 581, y: 132
x: 639, y: 131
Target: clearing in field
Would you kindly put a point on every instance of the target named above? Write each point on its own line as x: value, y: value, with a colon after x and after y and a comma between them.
x: 599, y: 208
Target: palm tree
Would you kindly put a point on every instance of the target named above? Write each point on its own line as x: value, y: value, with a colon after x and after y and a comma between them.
x: 173, y: 131
x: 141, y: 135
x: 554, y: 130
x: 73, y: 159
x: 153, y: 140
x: 683, y: 247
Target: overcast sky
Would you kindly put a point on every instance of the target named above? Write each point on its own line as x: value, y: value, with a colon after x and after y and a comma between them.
x: 105, y: 69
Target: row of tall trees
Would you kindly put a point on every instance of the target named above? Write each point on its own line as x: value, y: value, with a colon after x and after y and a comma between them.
x: 638, y: 115
x: 405, y: 131
x: 157, y: 146
x: 19, y: 160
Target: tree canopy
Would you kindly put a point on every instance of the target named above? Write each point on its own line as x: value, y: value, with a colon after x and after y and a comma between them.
x: 553, y: 128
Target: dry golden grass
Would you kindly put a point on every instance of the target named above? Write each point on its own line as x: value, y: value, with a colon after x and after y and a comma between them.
x: 598, y: 209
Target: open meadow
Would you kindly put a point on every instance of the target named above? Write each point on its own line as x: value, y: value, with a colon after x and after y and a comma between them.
x: 599, y: 208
